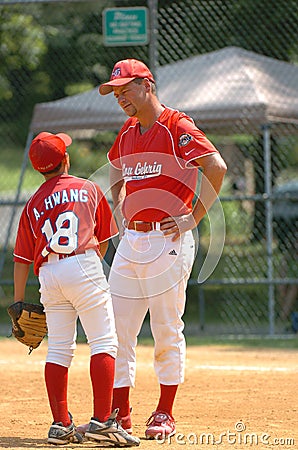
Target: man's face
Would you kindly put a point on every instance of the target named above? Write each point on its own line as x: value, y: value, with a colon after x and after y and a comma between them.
x: 130, y: 97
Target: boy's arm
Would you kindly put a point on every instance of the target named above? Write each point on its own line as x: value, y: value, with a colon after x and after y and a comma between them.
x: 21, y: 272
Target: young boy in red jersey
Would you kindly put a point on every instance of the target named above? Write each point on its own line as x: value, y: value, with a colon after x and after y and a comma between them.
x: 64, y: 231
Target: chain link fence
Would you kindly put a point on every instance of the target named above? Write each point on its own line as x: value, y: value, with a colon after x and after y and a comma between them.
x: 232, y: 65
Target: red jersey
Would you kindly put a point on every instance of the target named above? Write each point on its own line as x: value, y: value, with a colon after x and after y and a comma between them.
x: 159, y: 166
x: 65, y: 215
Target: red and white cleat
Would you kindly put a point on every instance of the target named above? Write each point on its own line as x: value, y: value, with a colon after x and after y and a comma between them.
x: 160, y: 425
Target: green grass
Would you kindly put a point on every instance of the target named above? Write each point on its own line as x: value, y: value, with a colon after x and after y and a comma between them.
x: 260, y: 343
x: 276, y: 342
x: 85, y: 157
x: 11, y: 160
x: 265, y: 342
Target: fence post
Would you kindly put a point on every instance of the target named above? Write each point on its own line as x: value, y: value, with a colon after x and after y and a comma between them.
x: 153, y: 50
x: 15, y: 204
x: 269, y: 227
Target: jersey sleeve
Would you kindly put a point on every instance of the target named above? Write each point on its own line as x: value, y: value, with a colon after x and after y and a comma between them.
x: 192, y: 142
x: 105, y: 227
x: 25, y: 241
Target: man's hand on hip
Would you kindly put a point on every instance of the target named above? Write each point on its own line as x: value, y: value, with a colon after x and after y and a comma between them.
x: 177, y: 225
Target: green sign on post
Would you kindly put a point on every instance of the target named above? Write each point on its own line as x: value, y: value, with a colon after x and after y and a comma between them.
x: 125, y: 26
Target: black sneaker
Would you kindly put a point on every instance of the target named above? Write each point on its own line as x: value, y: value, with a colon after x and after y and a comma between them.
x: 59, y: 434
x: 110, y: 432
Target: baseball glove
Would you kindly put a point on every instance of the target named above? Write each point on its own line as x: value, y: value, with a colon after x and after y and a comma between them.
x: 28, y: 323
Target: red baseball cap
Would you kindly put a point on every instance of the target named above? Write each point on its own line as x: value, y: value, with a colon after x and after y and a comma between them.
x: 124, y: 72
x: 47, y: 150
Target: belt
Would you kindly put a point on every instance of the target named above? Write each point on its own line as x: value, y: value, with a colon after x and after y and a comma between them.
x: 63, y: 256
x: 55, y: 257
x: 145, y: 227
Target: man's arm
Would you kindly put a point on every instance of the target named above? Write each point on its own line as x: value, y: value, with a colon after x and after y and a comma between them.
x: 118, y: 193
x: 21, y: 272
x: 214, y: 169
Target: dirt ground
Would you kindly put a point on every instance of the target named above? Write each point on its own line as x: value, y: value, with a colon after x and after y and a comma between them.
x: 232, y: 398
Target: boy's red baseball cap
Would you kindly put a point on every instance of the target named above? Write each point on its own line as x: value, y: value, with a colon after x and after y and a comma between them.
x: 124, y: 72
x: 47, y: 150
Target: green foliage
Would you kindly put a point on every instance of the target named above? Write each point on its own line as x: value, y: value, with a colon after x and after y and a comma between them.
x: 46, y: 54
x: 238, y: 221
x: 22, y: 46
x: 87, y: 156
x: 84, y: 161
x: 262, y: 26
x: 272, y: 22
x: 77, y: 88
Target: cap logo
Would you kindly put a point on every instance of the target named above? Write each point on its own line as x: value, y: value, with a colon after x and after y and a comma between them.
x: 116, y: 72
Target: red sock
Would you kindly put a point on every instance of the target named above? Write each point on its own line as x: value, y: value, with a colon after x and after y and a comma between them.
x: 56, y: 378
x: 121, y: 401
x: 102, y: 370
x: 166, y: 399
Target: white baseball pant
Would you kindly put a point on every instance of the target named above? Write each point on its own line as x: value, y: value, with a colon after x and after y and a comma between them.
x: 71, y: 288
x: 150, y: 272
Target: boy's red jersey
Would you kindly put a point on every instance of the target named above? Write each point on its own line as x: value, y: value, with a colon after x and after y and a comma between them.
x: 65, y: 215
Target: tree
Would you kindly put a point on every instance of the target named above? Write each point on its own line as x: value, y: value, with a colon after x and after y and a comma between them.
x: 22, y: 47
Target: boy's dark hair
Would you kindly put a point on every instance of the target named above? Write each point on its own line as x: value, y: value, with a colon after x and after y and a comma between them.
x: 53, y: 170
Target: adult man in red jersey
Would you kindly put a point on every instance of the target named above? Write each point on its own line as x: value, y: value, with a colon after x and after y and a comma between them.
x: 154, y: 170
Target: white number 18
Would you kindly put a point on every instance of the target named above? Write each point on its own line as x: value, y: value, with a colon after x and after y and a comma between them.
x: 66, y: 229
